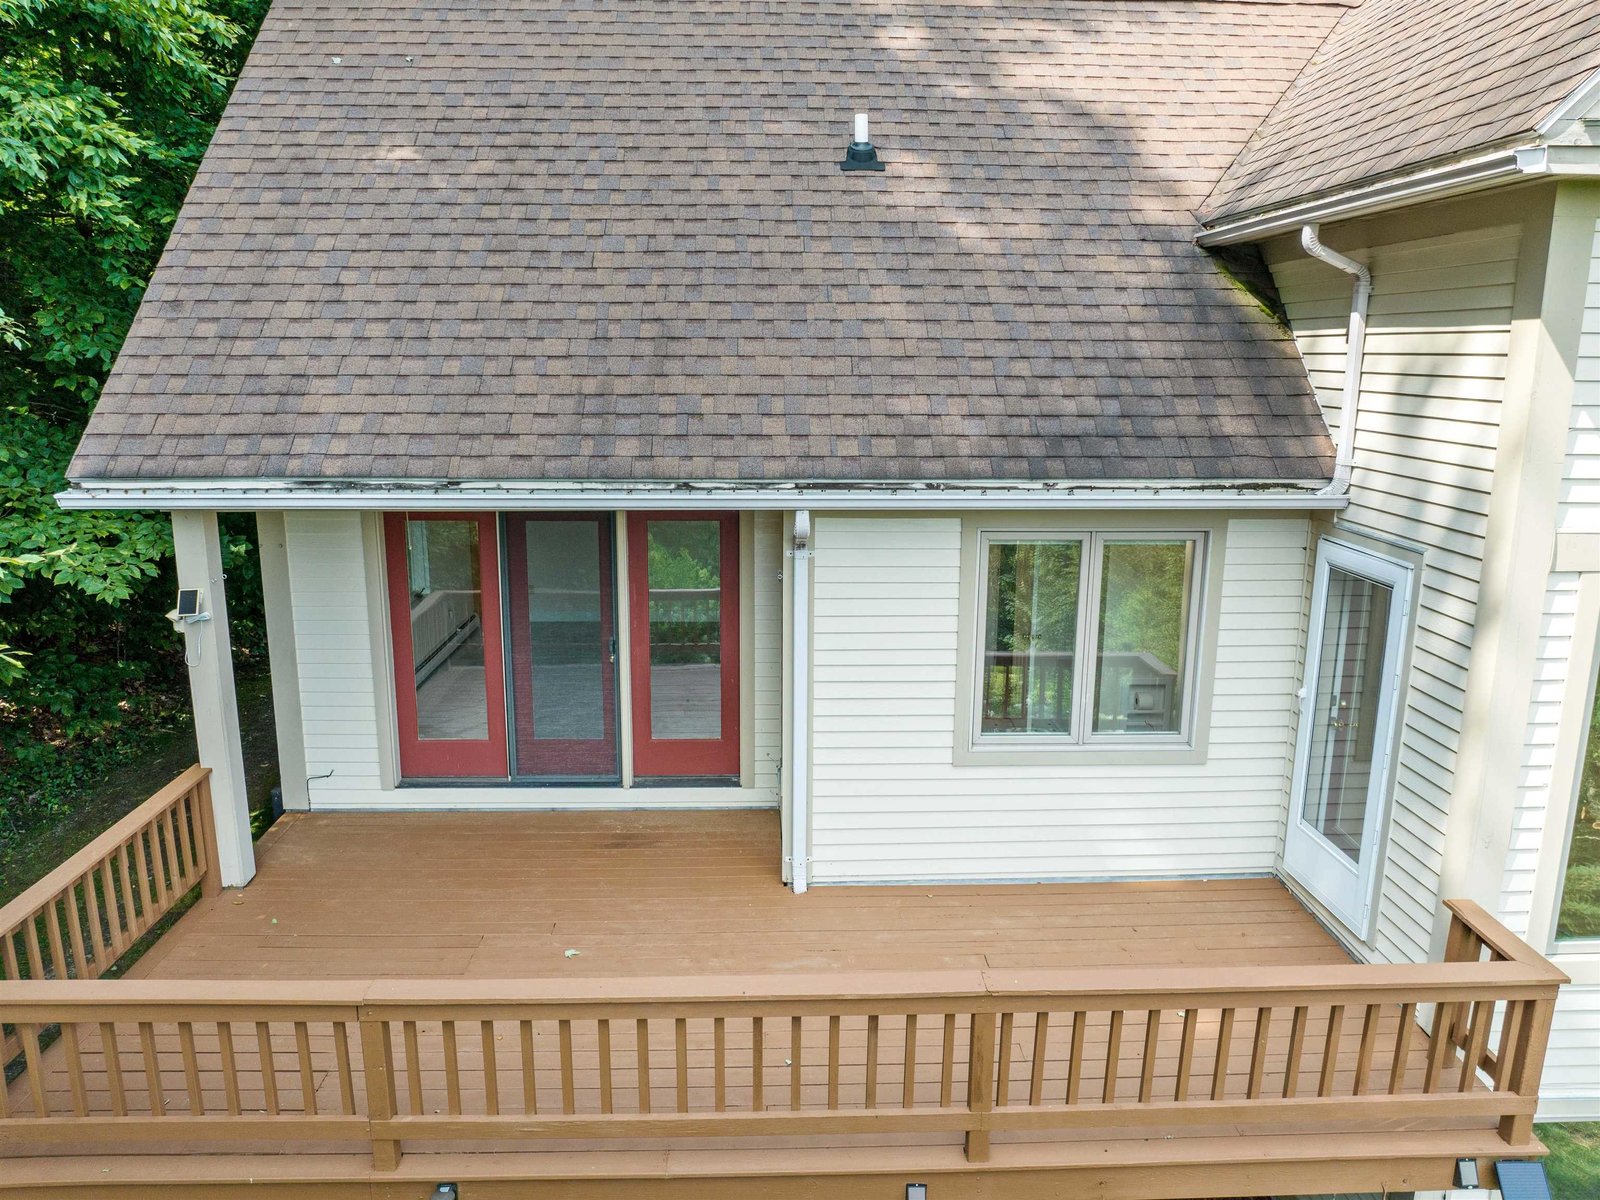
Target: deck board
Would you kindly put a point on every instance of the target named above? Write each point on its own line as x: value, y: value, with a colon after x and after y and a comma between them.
x: 506, y: 895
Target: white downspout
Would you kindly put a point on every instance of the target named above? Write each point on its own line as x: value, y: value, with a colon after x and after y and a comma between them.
x: 800, y: 707
x: 1355, y: 347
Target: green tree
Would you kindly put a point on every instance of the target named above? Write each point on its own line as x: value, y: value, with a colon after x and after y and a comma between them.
x: 106, y: 107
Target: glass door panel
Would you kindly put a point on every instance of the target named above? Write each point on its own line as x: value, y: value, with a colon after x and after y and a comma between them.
x: 683, y: 585
x: 1359, y: 606
x: 1348, y: 693
x: 561, y: 599
x: 444, y: 609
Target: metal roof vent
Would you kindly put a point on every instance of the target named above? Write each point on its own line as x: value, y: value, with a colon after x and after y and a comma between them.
x: 861, y: 156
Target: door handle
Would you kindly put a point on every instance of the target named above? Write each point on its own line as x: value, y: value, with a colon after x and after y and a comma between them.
x: 612, y: 649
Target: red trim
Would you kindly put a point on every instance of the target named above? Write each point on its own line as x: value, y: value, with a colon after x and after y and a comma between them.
x: 435, y: 758
x: 586, y: 757
x: 669, y: 757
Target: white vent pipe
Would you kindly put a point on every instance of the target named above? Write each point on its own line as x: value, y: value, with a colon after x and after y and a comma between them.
x: 1355, y: 347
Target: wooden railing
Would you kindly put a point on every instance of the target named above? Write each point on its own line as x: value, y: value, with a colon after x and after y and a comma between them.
x: 86, y: 914
x: 963, y: 1053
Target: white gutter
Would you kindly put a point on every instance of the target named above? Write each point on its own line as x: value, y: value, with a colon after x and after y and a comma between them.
x: 440, y: 495
x: 800, y: 707
x: 1434, y: 183
x: 1457, y: 178
x: 1355, y: 348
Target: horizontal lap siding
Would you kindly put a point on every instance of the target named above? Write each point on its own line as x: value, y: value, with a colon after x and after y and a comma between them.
x: 1433, y: 380
x: 888, y: 801
x: 333, y: 640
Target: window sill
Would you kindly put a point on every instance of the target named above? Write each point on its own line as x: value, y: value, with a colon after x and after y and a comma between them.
x: 1159, y: 753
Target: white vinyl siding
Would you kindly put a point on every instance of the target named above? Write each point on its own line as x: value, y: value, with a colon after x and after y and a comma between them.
x: 1433, y: 382
x: 335, y: 642
x: 888, y: 802
x: 1529, y: 832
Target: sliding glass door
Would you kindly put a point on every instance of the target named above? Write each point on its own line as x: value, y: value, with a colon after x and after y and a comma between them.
x: 561, y: 602
x: 507, y: 630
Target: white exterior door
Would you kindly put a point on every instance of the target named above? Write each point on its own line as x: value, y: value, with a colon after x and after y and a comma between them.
x: 1360, y: 606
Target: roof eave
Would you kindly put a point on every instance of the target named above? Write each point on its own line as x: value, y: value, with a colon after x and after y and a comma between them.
x: 1443, y: 180
x: 486, y: 495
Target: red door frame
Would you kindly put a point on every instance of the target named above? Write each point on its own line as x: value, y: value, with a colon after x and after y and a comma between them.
x: 440, y: 758
x: 586, y: 757
x: 659, y: 758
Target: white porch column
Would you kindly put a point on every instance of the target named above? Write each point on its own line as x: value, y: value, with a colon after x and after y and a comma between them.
x: 800, y: 706
x: 208, y: 653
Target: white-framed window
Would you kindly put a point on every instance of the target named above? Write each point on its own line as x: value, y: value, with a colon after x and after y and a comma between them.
x: 1086, y: 639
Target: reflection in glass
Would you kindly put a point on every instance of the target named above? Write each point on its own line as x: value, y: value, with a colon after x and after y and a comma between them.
x: 685, y: 578
x: 447, y: 629
x: 1030, y: 636
x: 1344, y: 717
x: 1141, y: 636
x: 1579, y: 916
x: 567, y: 638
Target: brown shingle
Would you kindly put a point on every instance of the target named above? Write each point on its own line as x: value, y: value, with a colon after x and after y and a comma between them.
x: 607, y: 240
x: 1401, y: 83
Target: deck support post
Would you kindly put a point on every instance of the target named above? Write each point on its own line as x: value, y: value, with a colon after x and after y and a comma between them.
x: 208, y: 653
x: 980, y: 1085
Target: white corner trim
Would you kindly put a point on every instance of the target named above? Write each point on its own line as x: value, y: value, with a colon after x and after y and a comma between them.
x: 1579, y: 102
x: 443, y: 495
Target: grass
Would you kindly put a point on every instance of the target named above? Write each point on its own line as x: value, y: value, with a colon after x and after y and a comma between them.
x: 155, y: 764
x: 1574, y: 1162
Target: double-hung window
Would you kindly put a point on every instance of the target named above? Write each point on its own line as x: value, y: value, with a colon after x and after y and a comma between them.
x: 1086, y: 639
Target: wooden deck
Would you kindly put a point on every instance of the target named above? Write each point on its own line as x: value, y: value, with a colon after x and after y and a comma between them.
x: 508, y: 895
x: 633, y: 1004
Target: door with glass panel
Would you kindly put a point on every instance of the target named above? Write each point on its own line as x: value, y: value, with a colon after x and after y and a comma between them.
x: 444, y: 610
x: 683, y: 600
x: 1360, y: 606
x: 561, y: 609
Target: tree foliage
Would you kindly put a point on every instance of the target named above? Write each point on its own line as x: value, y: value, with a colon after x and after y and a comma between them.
x: 106, y: 107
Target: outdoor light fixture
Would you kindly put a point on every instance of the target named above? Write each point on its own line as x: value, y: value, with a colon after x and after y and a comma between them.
x: 1467, y: 1173
x: 861, y: 156
x: 916, y: 1191
x: 444, y: 1191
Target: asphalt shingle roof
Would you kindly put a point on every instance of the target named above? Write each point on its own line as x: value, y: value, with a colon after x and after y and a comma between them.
x: 606, y: 240
x: 1401, y: 83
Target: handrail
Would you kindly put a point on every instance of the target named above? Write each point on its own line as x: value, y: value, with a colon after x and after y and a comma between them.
x: 377, y: 1062
x: 86, y: 913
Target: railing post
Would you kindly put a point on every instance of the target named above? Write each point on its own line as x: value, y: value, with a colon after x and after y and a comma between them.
x: 211, y: 875
x: 377, y: 1072
x: 1527, y: 1048
x: 980, y: 1085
